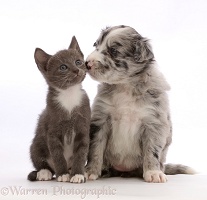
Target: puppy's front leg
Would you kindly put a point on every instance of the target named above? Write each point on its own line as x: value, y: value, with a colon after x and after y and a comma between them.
x: 96, y: 150
x: 153, y: 142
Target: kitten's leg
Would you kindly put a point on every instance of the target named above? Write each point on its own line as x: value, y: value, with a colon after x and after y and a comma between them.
x: 39, y: 153
x: 153, y: 141
x: 59, y: 162
x: 96, y: 151
x: 44, y: 175
x: 63, y: 178
x: 81, y: 147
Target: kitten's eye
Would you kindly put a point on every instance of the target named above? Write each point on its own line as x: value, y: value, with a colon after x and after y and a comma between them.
x: 63, y: 67
x: 78, y: 62
x: 95, y: 44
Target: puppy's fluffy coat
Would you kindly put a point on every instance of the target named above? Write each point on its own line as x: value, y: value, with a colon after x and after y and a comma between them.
x: 131, y: 126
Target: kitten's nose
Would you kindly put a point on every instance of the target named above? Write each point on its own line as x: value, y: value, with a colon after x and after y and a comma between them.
x: 89, y: 64
x: 76, y: 71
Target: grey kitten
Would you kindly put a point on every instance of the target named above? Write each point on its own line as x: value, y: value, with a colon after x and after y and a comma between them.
x: 62, y: 135
x: 131, y: 126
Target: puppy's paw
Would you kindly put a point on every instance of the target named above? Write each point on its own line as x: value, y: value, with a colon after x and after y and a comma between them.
x: 64, y: 178
x: 44, y: 175
x: 155, y: 176
x: 77, y: 178
x: 92, y: 177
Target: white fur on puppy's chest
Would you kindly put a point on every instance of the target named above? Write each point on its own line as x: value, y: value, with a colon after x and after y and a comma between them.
x: 70, y: 98
x: 126, y: 121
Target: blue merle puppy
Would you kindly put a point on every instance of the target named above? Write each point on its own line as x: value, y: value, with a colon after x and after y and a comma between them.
x: 131, y: 127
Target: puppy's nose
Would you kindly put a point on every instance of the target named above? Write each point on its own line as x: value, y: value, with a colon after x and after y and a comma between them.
x: 89, y: 64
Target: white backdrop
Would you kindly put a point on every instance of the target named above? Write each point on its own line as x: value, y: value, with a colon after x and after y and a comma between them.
x: 178, y: 33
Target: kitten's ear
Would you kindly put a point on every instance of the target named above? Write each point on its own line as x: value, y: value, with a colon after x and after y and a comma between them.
x: 143, y: 51
x: 41, y: 59
x: 74, y: 45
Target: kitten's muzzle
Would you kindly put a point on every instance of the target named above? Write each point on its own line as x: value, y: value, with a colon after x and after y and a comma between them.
x: 76, y: 71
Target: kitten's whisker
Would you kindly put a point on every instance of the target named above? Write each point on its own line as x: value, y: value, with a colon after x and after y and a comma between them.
x: 60, y: 80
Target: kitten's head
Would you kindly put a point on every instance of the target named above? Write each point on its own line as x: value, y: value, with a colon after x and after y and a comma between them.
x: 120, y: 56
x: 64, y: 69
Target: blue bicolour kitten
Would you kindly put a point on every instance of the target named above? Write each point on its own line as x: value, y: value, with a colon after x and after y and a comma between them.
x: 61, y: 141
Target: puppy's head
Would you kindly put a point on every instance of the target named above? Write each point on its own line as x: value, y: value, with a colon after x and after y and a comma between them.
x: 120, y: 55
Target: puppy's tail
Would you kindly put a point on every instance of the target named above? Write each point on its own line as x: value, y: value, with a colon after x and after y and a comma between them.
x: 32, y: 176
x: 172, y: 169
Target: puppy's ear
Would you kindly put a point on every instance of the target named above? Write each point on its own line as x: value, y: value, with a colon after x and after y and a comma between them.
x: 106, y: 28
x: 74, y: 45
x: 41, y: 59
x: 143, y: 51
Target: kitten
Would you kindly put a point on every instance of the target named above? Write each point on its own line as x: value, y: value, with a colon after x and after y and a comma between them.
x: 61, y: 141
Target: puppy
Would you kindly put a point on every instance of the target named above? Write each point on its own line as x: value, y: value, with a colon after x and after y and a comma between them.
x: 131, y: 127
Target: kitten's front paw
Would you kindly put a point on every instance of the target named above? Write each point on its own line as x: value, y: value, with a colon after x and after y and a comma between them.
x: 44, y: 175
x: 78, y: 178
x: 155, y: 176
x: 92, y: 177
x: 64, y: 178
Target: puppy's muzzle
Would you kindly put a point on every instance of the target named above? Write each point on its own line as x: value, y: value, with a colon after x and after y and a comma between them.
x: 89, y: 64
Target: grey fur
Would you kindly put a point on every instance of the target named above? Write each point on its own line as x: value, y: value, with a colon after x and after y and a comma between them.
x: 61, y: 141
x: 131, y: 127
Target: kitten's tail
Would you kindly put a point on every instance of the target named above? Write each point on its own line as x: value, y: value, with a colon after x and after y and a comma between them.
x: 32, y: 176
x: 172, y: 169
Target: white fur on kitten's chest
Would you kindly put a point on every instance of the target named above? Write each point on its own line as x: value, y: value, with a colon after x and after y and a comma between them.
x: 68, y: 150
x: 70, y: 98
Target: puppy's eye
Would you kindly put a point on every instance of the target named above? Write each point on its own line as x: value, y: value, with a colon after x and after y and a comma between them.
x: 78, y: 62
x: 63, y: 67
x: 113, y: 51
x: 95, y: 44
